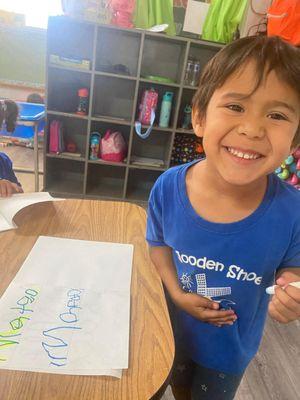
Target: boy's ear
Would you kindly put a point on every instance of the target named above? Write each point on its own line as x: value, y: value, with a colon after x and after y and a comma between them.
x: 197, y: 122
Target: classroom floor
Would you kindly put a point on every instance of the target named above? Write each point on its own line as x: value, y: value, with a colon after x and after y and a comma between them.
x: 272, y: 375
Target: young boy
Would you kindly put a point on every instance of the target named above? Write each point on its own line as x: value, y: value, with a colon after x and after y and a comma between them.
x: 8, y: 182
x: 222, y: 230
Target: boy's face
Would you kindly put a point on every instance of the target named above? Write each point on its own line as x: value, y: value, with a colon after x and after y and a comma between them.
x: 246, y: 138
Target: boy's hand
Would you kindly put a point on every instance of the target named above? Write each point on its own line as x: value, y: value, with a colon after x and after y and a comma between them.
x: 204, y: 309
x: 8, y: 188
x: 285, y: 304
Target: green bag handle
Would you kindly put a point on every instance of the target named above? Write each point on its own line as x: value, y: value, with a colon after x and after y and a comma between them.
x: 222, y: 19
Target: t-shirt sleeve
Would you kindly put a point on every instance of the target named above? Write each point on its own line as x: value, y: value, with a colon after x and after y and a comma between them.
x: 292, y: 256
x: 154, y: 233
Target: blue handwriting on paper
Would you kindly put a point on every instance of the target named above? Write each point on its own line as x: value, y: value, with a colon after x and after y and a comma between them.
x: 55, y: 344
x: 17, y: 323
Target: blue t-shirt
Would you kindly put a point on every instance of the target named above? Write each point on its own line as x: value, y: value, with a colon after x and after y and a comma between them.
x: 6, y: 169
x: 228, y: 262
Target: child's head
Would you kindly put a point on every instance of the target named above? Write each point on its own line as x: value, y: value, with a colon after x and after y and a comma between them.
x: 35, y: 98
x: 247, y: 108
x: 266, y: 53
x: 8, y: 113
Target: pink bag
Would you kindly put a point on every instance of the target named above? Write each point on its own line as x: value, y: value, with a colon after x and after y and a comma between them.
x: 148, y: 103
x: 122, y: 11
x: 113, y: 146
x: 56, y: 144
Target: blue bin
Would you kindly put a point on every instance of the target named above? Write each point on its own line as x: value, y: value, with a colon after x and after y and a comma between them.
x: 29, y: 115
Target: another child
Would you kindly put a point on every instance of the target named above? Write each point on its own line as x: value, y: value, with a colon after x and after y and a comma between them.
x: 222, y: 230
x: 8, y: 181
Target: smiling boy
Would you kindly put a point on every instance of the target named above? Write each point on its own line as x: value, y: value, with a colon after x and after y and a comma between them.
x: 222, y: 230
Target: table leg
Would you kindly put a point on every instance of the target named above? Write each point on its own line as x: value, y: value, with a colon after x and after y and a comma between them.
x: 36, y: 158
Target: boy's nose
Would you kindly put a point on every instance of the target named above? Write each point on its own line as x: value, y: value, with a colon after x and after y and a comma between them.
x: 253, y: 130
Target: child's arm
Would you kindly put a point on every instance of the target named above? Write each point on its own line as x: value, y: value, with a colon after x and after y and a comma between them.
x: 8, y: 181
x: 7, y: 188
x: 198, y: 306
x: 285, y: 304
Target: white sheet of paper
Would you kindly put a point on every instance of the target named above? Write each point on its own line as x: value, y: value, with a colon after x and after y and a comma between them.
x: 9, y: 206
x: 67, y: 310
x: 195, y: 15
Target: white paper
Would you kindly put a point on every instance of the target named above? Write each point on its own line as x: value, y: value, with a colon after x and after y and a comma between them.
x: 9, y: 206
x: 195, y: 15
x: 67, y: 310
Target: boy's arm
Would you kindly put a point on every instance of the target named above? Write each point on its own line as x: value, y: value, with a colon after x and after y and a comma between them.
x: 7, y: 188
x: 8, y: 181
x: 198, y: 306
x: 285, y: 304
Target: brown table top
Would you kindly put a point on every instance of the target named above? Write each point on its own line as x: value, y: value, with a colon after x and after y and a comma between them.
x: 151, y: 348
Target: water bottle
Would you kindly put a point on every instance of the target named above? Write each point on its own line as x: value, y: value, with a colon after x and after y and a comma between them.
x: 188, y: 72
x: 95, y: 145
x: 83, y: 97
x: 187, y: 117
x: 165, y: 111
x: 195, y: 74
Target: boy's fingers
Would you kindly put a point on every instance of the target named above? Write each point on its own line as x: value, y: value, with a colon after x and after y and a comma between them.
x: 287, y: 298
x: 3, y: 190
x: 276, y: 315
x: 293, y: 292
x: 217, y: 315
x: 207, y: 303
x: 9, y: 189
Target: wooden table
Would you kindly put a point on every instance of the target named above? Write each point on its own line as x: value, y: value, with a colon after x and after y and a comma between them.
x: 151, y: 349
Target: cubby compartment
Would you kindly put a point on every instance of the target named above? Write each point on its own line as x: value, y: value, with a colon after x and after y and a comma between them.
x: 102, y: 127
x: 68, y: 38
x: 74, y: 135
x: 186, y: 100
x: 63, y: 86
x: 64, y: 176
x: 161, y: 90
x: 163, y: 58
x: 198, y: 54
x: 105, y: 180
x: 123, y: 64
x: 117, y: 51
x: 153, y: 151
x: 140, y: 183
x: 113, y: 98
x: 186, y: 148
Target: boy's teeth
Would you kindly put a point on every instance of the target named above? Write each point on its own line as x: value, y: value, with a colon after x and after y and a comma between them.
x: 240, y: 154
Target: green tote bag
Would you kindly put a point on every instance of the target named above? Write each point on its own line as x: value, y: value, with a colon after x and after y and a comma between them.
x: 222, y: 20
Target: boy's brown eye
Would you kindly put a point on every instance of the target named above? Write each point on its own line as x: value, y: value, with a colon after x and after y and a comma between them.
x: 278, y: 116
x: 235, y: 107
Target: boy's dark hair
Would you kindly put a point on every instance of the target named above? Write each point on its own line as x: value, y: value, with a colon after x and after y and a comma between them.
x: 8, y: 113
x: 269, y: 54
x: 35, y: 98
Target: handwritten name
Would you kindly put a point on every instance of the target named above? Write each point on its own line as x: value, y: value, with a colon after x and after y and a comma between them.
x: 55, y: 346
x: 23, y: 307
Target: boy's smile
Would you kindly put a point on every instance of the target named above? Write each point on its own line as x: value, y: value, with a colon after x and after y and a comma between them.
x: 246, y: 134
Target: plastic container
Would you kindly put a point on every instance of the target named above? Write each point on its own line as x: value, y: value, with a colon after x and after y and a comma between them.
x: 83, y: 97
x: 165, y: 111
x: 187, y: 117
x: 95, y: 146
x: 195, y: 74
x: 188, y: 72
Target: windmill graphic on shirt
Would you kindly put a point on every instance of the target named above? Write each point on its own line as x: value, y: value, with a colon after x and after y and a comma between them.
x: 203, y: 290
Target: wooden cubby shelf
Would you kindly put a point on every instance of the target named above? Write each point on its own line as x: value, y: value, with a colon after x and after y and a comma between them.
x: 118, y: 65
